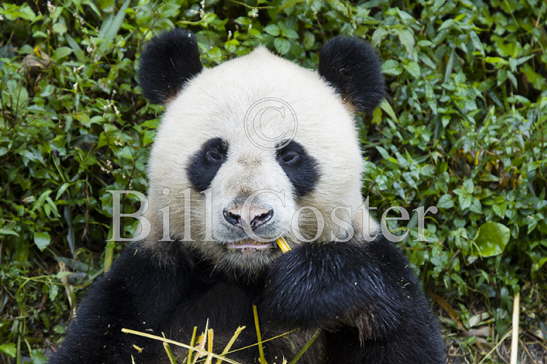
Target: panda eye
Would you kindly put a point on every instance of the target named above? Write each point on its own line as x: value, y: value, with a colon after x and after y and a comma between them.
x: 214, y: 156
x: 289, y: 157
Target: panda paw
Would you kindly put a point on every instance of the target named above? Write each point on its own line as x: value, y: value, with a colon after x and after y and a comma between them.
x: 328, y: 285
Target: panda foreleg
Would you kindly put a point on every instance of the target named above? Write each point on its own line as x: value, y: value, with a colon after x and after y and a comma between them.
x: 365, y: 296
x: 139, y: 292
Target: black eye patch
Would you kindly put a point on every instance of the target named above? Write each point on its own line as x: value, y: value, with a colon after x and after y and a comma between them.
x: 301, y: 168
x: 206, y: 162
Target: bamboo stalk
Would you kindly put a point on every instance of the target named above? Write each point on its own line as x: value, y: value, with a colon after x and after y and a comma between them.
x: 515, y: 336
x: 495, y: 347
x: 262, y: 358
x: 283, y: 245
x: 169, y: 352
x: 306, y: 346
x: 176, y: 343
x: 231, y: 342
x: 192, y: 343
x: 210, y: 339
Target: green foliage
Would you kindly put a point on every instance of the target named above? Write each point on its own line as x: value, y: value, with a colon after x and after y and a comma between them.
x: 491, y: 239
x: 463, y: 129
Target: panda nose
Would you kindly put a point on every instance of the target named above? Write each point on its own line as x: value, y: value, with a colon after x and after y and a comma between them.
x: 254, y: 217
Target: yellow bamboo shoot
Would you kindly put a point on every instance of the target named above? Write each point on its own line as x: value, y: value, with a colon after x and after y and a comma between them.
x: 283, y: 245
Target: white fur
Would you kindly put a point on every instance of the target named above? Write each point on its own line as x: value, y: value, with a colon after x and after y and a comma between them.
x: 214, y: 104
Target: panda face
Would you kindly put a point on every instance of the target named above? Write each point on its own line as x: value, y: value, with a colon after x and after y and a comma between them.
x: 252, y: 189
x: 251, y: 150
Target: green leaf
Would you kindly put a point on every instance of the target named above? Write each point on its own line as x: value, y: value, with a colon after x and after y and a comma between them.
x: 492, y: 238
x: 495, y: 60
x: 386, y: 107
x: 445, y: 202
x: 62, y: 190
x: 309, y: 40
x: 13, y: 12
x: 9, y: 349
x: 384, y: 153
x: 537, y: 80
x: 290, y: 33
x: 391, y: 67
x: 110, y: 27
x: 42, y: 240
x: 413, y: 68
x: 282, y: 45
x: 272, y: 29
x: 53, y: 292
x: 61, y: 53
x: 4, y: 231
x: 468, y: 186
x: 476, y: 42
x: 107, y: 5
x: 407, y: 39
x: 377, y: 115
x: 76, y: 48
x: 378, y: 35
x: 60, y: 28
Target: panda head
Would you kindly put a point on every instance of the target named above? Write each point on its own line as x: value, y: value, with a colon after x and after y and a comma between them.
x: 256, y: 148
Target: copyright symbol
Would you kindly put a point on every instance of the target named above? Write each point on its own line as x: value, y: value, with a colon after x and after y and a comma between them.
x: 260, y: 113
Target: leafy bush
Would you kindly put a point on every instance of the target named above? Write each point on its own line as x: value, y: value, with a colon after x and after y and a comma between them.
x: 463, y: 129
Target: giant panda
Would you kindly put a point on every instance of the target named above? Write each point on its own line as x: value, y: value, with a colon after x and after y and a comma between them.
x: 250, y: 150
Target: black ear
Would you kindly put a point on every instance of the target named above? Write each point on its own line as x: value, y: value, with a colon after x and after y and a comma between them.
x: 167, y: 62
x: 352, y: 67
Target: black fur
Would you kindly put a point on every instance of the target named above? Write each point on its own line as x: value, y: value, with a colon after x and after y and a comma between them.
x: 352, y: 67
x: 301, y: 168
x: 138, y: 293
x: 167, y: 63
x: 363, y: 295
x: 206, y: 162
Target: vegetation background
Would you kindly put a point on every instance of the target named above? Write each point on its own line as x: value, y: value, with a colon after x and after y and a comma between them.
x: 463, y: 128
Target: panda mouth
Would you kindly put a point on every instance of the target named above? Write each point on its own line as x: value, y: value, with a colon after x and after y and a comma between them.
x: 249, y: 245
